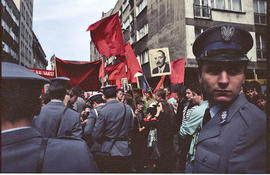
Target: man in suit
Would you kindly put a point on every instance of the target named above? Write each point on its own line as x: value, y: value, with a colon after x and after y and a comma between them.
x: 55, y: 119
x: 114, y: 119
x: 23, y: 149
x: 160, y: 60
x: 233, y: 135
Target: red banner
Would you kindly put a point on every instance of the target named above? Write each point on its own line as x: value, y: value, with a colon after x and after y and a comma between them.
x: 84, y: 74
x: 178, y: 71
x: 44, y: 73
x: 107, y: 36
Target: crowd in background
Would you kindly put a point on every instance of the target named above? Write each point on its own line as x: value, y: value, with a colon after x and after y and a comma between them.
x: 163, y: 133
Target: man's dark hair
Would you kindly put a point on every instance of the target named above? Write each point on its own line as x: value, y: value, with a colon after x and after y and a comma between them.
x: 78, y: 90
x: 161, y: 93
x: 181, y: 91
x: 57, y: 92
x: 139, y: 102
x: 163, y: 53
x: 110, y: 94
x: 196, y: 87
x: 117, y: 90
x: 75, y: 91
x: 251, y: 85
x: 20, y: 104
x: 46, y: 98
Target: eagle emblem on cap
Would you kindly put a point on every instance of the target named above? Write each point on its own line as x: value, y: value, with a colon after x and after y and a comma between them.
x: 227, y: 32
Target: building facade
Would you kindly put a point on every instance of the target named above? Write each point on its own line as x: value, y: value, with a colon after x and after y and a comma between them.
x: 152, y: 24
x: 39, y: 56
x: 26, y: 36
x: 10, y: 31
x: 19, y: 44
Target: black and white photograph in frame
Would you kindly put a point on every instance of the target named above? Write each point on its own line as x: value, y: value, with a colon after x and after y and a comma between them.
x: 159, y: 62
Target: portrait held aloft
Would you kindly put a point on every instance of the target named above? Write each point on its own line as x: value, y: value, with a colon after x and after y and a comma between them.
x: 159, y: 62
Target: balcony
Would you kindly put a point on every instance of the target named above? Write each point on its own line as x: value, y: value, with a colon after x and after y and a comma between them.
x: 201, y: 11
x: 260, y: 18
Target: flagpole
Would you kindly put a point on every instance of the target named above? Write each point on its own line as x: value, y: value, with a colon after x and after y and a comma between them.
x: 103, y: 67
x: 55, y: 68
x: 134, y: 101
x: 147, y: 84
x: 138, y: 83
x: 135, y: 106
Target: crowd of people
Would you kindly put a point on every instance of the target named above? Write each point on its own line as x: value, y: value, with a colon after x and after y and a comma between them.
x: 215, y: 125
x: 166, y: 124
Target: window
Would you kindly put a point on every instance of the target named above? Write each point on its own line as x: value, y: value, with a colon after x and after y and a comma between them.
x: 260, y: 47
x: 202, y: 9
x: 143, y: 57
x: 260, y: 11
x: 125, y: 4
x: 5, y: 47
x: 233, y: 5
x: 140, y: 7
x: 142, y: 32
x: 126, y: 24
x: 219, y: 4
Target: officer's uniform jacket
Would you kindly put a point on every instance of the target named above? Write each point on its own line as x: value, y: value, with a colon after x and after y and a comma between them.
x: 47, y: 121
x: 235, y: 144
x: 107, y: 125
x: 88, y: 130
x: 21, y: 151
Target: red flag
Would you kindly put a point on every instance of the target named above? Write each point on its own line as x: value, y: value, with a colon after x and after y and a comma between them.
x: 178, y: 71
x: 132, y: 63
x: 107, y: 36
x: 116, y: 72
x: 84, y: 74
x: 160, y: 83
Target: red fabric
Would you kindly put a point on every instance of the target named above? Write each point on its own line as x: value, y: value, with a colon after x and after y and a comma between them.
x: 116, y: 72
x: 44, y: 73
x: 132, y: 63
x: 84, y: 74
x: 102, y: 70
x: 160, y: 83
x: 107, y: 36
x: 178, y: 71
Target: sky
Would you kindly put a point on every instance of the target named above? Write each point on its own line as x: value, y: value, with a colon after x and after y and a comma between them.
x: 60, y: 26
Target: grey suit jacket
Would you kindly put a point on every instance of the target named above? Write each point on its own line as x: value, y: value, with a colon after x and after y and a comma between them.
x: 106, y: 127
x: 236, y: 146
x: 79, y: 104
x: 47, y: 121
x: 21, y: 149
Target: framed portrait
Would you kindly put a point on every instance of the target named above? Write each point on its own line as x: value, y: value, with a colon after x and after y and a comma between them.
x: 159, y: 60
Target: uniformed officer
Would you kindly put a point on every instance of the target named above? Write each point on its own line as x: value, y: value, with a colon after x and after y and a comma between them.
x: 97, y: 103
x: 112, y: 128
x: 23, y: 149
x: 56, y: 119
x: 232, y: 139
